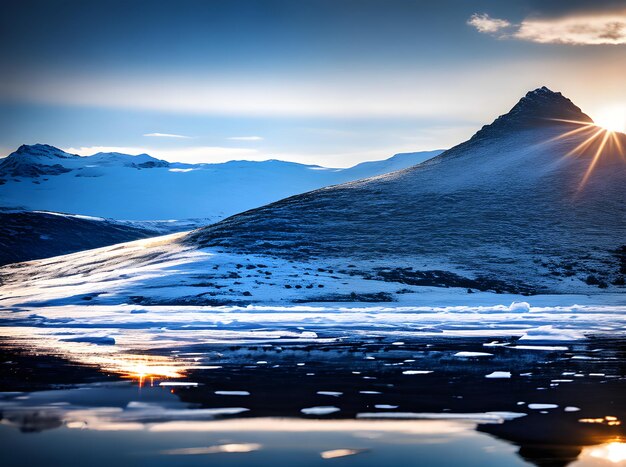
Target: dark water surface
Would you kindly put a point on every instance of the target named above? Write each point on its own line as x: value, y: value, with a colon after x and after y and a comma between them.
x: 374, y: 403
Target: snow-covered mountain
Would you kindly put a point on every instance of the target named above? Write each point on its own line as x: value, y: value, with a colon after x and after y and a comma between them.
x: 532, y: 200
x: 530, y: 204
x: 121, y: 186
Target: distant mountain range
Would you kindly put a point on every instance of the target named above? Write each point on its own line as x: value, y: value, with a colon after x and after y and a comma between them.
x: 533, y: 203
x: 121, y: 186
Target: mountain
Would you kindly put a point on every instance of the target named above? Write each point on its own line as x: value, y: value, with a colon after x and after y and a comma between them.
x: 26, y: 236
x: 531, y: 204
x: 512, y: 204
x: 120, y: 186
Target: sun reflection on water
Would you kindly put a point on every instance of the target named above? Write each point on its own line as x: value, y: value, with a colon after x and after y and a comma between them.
x: 613, y: 452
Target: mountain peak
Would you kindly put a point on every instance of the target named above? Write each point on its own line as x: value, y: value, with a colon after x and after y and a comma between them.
x: 542, y: 103
x: 538, y: 108
x: 42, y: 150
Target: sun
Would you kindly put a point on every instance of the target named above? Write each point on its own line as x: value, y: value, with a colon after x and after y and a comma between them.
x: 612, y: 119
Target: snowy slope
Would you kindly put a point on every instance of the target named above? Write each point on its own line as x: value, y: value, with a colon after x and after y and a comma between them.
x: 501, y: 215
x: 26, y: 235
x: 120, y: 186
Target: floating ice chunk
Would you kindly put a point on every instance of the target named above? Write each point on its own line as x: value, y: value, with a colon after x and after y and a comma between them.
x: 483, y: 417
x: 330, y: 393
x: 369, y: 392
x: 227, y: 448
x: 333, y: 454
x: 320, y: 410
x: 540, y: 347
x: 473, y: 354
x: 232, y: 393
x: 542, y: 406
x: 571, y: 409
x: 519, y: 307
x: 499, y: 374
x: 416, y: 372
x: 397, y: 343
x: 495, y: 344
x: 385, y: 406
x: 309, y: 335
x: 550, y: 333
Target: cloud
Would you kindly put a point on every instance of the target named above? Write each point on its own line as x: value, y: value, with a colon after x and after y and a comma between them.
x: 486, y: 24
x: 602, y: 28
x: 190, y: 155
x: 166, y: 135
x: 246, y: 138
x: 581, y: 30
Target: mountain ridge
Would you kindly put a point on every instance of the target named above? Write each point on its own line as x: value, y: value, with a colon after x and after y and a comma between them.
x: 121, y: 186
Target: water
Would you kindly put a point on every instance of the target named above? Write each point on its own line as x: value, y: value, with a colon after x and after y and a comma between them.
x: 374, y: 400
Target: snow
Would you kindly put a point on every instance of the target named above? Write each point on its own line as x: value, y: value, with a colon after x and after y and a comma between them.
x: 171, y: 190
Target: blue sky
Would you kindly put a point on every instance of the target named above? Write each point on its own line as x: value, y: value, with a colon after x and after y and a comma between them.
x: 327, y: 82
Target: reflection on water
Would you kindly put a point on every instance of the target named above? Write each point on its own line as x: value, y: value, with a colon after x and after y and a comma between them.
x: 613, y: 452
x: 374, y: 401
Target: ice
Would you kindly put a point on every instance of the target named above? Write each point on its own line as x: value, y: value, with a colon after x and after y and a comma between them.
x: 335, y: 453
x: 485, y: 417
x: 330, y: 393
x: 535, y: 406
x: 571, y: 409
x: 232, y: 393
x: 473, y: 354
x: 416, y: 372
x: 499, y: 374
x: 519, y: 307
x: 320, y: 410
x: 541, y: 347
x: 222, y: 448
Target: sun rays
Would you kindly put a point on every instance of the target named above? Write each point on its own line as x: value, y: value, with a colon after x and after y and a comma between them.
x: 599, y: 142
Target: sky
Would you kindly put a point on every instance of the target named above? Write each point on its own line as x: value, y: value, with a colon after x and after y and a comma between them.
x: 329, y: 82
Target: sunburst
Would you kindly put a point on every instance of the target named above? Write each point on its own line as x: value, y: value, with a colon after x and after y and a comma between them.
x: 598, y: 138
